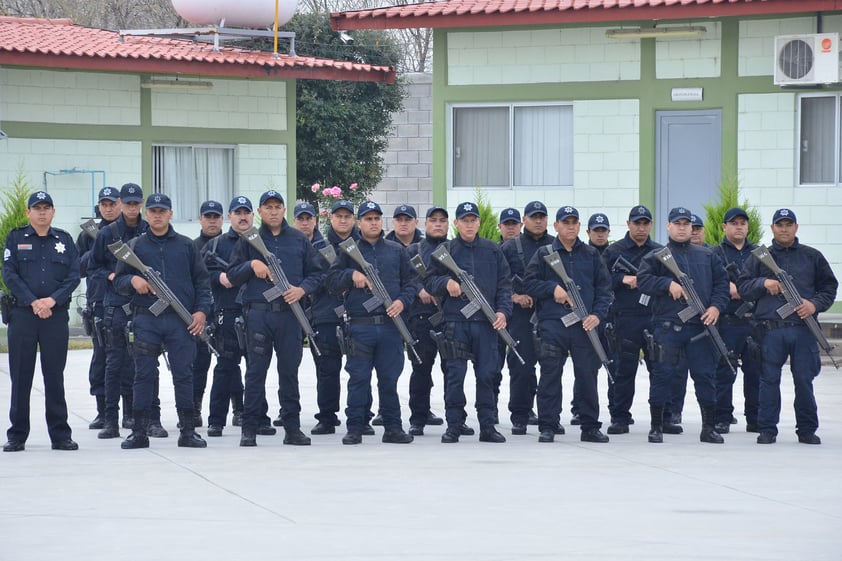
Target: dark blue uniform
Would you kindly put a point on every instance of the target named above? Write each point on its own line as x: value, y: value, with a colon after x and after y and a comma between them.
x: 119, y: 367
x: 421, y: 379
x: 789, y: 337
x: 416, y: 237
x: 175, y: 257
x: 473, y: 338
x: 630, y: 314
x: 523, y: 381
x: 325, y: 321
x: 203, y: 355
x: 37, y: 267
x: 375, y: 342
x: 684, y: 345
x: 584, y: 265
x: 736, y: 330
x: 272, y: 325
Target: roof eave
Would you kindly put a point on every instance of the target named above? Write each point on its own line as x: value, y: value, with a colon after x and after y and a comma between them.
x: 255, y: 70
x: 367, y: 20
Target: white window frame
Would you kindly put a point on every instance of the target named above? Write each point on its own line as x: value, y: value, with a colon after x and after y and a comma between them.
x: 837, y: 136
x: 192, y: 215
x: 450, y: 121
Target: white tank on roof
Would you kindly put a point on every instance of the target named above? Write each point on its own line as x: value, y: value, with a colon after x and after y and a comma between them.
x: 240, y: 13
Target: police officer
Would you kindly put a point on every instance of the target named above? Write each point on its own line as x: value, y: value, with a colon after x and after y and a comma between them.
x: 425, y: 306
x: 522, y: 379
x: 788, y: 337
x: 684, y: 345
x: 404, y: 226
x: 630, y: 315
x: 736, y: 327
x: 272, y: 325
x: 41, y: 270
x: 509, y: 224
x: 210, y: 219
x: 228, y: 313
x: 326, y: 321
x: 375, y: 343
x: 175, y: 257
x: 306, y: 220
x: 585, y: 267
x: 119, y: 367
x: 108, y: 208
x: 598, y: 231
x: 697, y: 234
x: 472, y: 338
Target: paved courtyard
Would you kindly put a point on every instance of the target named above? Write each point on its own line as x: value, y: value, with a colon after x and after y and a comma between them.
x: 626, y: 500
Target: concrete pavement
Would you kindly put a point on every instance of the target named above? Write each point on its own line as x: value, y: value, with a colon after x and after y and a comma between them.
x: 682, y: 500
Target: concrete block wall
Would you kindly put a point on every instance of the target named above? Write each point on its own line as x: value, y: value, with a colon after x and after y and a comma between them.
x: 691, y: 57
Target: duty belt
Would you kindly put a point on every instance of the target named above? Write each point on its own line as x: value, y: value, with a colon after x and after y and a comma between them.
x: 141, y: 311
x: 276, y: 306
x: 777, y: 324
x: 369, y: 320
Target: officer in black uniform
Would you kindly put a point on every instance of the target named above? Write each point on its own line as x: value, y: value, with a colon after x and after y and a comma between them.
x: 555, y: 341
x: 228, y: 316
x: 175, y: 257
x: 210, y: 219
x: 472, y: 338
x: 510, y: 227
x: 119, y: 367
x: 736, y: 327
x: 41, y: 270
x: 108, y: 208
x: 306, y: 220
x: 425, y: 306
x: 788, y: 337
x: 323, y: 307
x: 519, y: 250
x: 630, y: 315
x: 375, y: 343
x: 272, y: 325
x: 683, y: 345
x: 405, y: 226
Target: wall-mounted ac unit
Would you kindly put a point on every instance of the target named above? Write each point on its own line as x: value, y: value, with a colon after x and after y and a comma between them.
x: 807, y: 59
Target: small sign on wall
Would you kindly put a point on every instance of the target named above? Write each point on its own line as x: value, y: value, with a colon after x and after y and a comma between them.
x: 687, y: 94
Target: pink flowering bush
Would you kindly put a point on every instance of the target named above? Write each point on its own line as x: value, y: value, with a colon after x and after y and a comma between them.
x: 326, y: 197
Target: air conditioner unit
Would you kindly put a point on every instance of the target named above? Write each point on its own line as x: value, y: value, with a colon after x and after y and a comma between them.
x: 807, y: 59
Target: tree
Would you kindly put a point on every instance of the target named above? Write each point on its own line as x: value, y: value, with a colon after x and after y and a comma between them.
x: 729, y: 192
x: 342, y: 127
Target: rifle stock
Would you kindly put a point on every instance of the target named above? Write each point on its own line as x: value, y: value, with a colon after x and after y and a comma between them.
x: 90, y: 228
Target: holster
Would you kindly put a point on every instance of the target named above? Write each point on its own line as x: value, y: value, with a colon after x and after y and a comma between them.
x: 87, y: 320
x: 449, y: 348
x: 343, y: 342
x: 611, y: 339
x: 5, y: 307
x: 240, y: 332
x: 544, y: 349
x: 99, y: 330
x: 128, y: 337
x: 653, y: 349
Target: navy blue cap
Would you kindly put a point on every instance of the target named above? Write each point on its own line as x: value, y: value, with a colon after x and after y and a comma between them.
x: 109, y: 193
x: 696, y: 221
x: 338, y: 205
x: 680, y: 212
x: 640, y: 212
x: 464, y: 209
x: 598, y: 220
x: 211, y: 207
x: 240, y: 202
x: 405, y: 210
x: 159, y: 200
x: 304, y: 208
x: 433, y: 209
x: 566, y: 212
x: 780, y: 214
x: 368, y: 206
x: 39, y: 197
x: 534, y: 208
x: 271, y: 194
x: 131, y: 193
x: 733, y: 213
x: 509, y: 215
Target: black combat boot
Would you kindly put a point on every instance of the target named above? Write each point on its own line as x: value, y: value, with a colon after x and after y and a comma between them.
x: 188, y: 437
x: 236, y: 409
x: 99, y: 420
x: 138, y: 437
x: 128, y: 414
x: 709, y: 433
x: 656, y: 429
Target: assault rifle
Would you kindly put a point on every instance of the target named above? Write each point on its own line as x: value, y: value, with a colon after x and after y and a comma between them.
x: 380, y: 295
x: 281, y: 284
x: 694, y: 305
x: 578, y: 310
x: 746, y: 307
x: 329, y: 253
x: 623, y: 265
x: 90, y: 228
x: 166, y: 297
x: 477, y: 301
x: 421, y: 269
x: 793, y: 299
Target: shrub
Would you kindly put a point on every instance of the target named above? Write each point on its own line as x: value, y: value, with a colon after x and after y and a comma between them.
x: 13, y: 212
x: 729, y: 198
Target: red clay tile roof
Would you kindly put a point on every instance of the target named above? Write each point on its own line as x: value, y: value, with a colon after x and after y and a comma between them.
x: 484, y: 13
x: 60, y: 44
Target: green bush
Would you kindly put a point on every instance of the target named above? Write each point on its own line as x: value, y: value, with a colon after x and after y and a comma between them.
x: 13, y: 209
x: 729, y: 189
x: 488, y: 218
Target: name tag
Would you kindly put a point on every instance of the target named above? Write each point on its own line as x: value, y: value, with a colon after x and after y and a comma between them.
x: 24, y: 247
